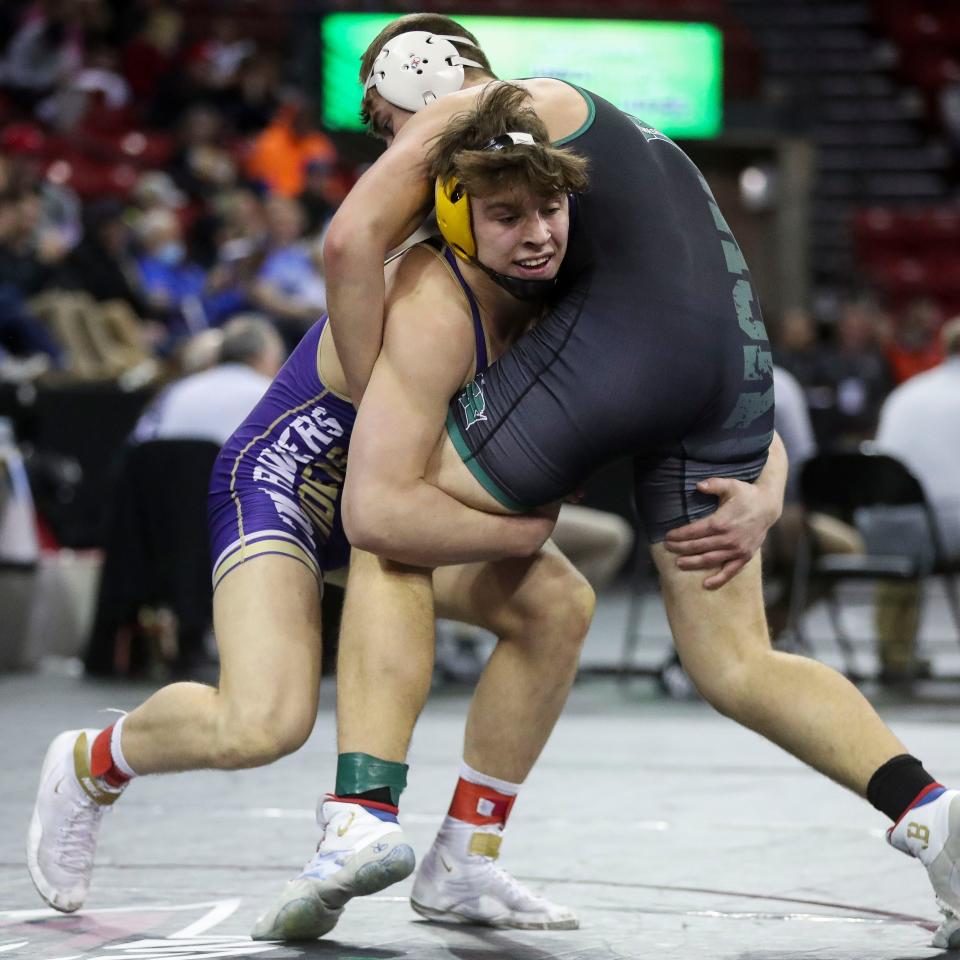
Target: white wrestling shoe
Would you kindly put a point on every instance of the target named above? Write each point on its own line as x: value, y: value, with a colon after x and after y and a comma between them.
x: 930, y: 832
x: 453, y: 888
x: 66, y: 819
x: 358, y: 855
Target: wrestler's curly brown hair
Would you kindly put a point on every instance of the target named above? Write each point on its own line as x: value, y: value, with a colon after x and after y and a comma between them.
x: 462, y: 149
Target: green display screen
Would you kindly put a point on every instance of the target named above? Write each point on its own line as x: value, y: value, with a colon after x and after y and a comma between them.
x: 666, y: 74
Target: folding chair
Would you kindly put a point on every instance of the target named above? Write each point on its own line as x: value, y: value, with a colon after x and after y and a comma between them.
x: 855, y: 487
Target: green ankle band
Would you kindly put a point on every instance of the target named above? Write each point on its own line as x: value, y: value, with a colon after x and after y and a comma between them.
x: 359, y: 772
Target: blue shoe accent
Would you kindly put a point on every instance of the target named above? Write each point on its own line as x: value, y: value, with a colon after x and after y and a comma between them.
x: 385, y: 815
x: 929, y: 798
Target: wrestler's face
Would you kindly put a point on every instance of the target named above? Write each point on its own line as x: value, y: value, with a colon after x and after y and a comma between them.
x: 386, y: 118
x: 521, y: 234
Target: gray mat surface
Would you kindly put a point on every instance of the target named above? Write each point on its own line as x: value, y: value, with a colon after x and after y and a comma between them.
x: 671, y: 831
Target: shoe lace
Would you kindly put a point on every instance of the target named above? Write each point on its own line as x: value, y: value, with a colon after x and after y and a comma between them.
x: 77, y: 835
x: 509, y: 885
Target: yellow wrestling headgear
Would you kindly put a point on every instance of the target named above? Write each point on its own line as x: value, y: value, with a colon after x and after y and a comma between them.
x: 453, y: 204
x: 453, y: 217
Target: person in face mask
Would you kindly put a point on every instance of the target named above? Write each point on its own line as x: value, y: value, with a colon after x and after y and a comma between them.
x: 172, y: 282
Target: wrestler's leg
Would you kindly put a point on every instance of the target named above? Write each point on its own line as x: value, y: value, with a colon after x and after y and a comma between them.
x: 800, y: 704
x: 267, y: 623
x: 540, y: 609
x: 814, y: 713
x: 266, y: 616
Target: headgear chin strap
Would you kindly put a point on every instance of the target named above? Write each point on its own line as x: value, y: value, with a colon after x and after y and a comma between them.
x: 416, y: 68
x: 456, y: 225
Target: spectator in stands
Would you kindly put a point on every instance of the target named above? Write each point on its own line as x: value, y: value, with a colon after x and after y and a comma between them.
x: 201, y: 165
x: 174, y: 284
x: 102, y: 264
x: 211, y: 404
x: 96, y: 93
x: 47, y: 48
x: 29, y: 254
x: 792, y: 422
x: 21, y: 333
x: 151, y: 55
x: 119, y: 318
x: 798, y: 351
x: 223, y: 53
x: 232, y: 279
x: 857, y: 373
x: 920, y: 425
x: 280, y: 154
x: 290, y: 286
x: 155, y: 189
x: 241, y: 217
x: 322, y: 194
x: 916, y: 345
x: 250, y: 105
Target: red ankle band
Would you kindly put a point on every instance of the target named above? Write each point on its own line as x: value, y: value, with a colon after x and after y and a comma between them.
x: 101, y: 760
x: 480, y: 805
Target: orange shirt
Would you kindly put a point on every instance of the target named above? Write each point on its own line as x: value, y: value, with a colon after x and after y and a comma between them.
x: 279, y: 158
x: 906, y: 363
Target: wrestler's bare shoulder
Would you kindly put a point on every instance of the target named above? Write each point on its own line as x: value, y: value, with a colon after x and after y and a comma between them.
x: 561, y: 106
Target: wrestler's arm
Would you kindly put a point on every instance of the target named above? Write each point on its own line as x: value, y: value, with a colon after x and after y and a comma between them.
x: 728, y: 538
x: 385, y: 206
x: 388, y: 507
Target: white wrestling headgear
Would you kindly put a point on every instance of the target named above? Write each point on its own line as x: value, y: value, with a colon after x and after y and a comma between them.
x: 416, y: 68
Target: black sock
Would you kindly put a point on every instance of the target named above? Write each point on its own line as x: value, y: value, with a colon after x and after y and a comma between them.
x: 897, y: 784
x: 377, y: 795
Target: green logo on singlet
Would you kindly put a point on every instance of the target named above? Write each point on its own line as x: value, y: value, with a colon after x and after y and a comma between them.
x: 471, y: 399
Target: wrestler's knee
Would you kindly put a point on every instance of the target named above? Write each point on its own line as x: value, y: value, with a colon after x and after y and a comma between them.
x: 561, y: 611
x: 256, y: 734
x: 731, y: 683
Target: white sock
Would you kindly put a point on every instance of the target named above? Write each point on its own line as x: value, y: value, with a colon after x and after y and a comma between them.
x: 485, y: 780
x: 116, y: 750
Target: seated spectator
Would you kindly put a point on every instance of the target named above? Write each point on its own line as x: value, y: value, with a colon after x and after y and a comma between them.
x: 102, y: 264
x: 22, y: 275
x: 155, y: 189
x: 96, y: 93
x: 279, y: 156
x: 857, y: 375
x: 916, y: 345
x: 201, y: 165
x: 47, y: 48
x: 920, y: 425
x: 798, y: 350
x: 231, y: 281
x: 151, y: 55
x: 251, y: 103
x: 29, y: 254
x: 829, y: 535
x: 211, y: 404
x: 223, y: 52
x: 322, y: 194
x: 290, y: 286
x: 173, y: 283
x: 241, y: 217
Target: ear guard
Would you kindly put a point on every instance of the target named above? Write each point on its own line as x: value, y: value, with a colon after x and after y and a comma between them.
x: 453, y: 205
x: 416, y: 68
x: 453, y: 217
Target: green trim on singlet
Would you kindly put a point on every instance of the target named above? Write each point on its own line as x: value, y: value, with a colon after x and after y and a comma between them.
x: 591, y: 115
x: 479, y: 474
x: 591, y: 110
